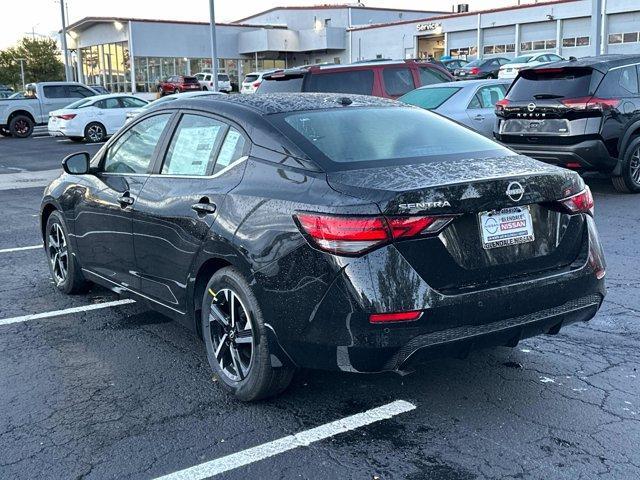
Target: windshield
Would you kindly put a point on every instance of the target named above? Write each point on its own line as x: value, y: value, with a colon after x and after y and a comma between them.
x: 522, y: 59
x: 223, y: 78
x: 375, y: 136
x: 429, y: 98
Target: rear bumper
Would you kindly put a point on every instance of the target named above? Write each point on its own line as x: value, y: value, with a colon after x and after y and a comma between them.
x: 589, y: 154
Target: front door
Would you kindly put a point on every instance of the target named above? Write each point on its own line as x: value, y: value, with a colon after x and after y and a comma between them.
x: 480, y: 111
x: 103, y: 220
x: 178, y: 205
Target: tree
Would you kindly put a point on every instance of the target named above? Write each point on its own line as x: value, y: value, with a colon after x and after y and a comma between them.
x: 41, y: 62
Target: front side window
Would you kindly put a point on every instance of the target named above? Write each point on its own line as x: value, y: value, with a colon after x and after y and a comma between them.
x: 363, y: 137
x: 397, y: 81
x: 76, y: 91
x: 487, y: 97
x: 132, y: 102
x: 354, y: 81
x: 133, y: 151
x: 193, y: 147
x: 429, y: 76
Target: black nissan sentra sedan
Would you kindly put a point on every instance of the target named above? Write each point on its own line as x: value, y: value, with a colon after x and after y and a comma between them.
x: 327, y: 231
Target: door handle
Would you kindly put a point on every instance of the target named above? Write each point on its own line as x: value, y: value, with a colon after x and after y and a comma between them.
x: 204, y: 206
x: 125, y: 200
x: 479, y: 117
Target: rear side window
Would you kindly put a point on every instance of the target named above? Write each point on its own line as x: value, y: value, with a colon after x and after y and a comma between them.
x: 429, y: 76
x: 193, y: 146
x: 554, y: 83
x: 619, y: 83
x: 288, y: 83
x: 397, y: 81
x: 354, y: 81
x: 190, y: 80
x: 231, y: 150
x: 55, y: 91
x: 108, y: 103
x: 429, y: 98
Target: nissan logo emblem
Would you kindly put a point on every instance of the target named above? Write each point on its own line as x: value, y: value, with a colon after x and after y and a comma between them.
x: 531, y: 107
x: 515, y: 191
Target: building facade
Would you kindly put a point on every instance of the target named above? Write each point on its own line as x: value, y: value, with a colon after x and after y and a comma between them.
x: 127, y: 54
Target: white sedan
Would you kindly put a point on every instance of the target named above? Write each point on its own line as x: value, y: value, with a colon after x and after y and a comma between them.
x: 93, y: 118
x: 530, y: 60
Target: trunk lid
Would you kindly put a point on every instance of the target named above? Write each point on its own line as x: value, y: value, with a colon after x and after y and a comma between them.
x: 457, y: 260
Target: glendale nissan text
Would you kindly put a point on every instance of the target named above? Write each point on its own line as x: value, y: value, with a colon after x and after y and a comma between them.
x: 327, y: 231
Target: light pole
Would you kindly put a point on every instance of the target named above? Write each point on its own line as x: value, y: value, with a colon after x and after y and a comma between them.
x: 22, y: 60
x: 214, y: 48
x: 65, y: 52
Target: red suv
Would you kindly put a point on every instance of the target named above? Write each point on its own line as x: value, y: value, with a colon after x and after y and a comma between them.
x: 178, y: 84
x: 382, y: 78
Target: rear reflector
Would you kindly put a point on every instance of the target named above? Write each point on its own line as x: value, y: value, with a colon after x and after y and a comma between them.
x: 355, y: 235
x: 395, y: 317
x: 574, y: 165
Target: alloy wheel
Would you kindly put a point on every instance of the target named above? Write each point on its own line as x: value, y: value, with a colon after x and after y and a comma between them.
x: 22, y: 127
x: 231, y: 334
x: 58, y: 253
x: 634, y: 167
x: 95, y: 133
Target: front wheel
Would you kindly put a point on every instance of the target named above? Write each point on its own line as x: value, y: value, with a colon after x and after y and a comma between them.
x: 63, y: 265
x: 629, y: 180
x: 235, y: 337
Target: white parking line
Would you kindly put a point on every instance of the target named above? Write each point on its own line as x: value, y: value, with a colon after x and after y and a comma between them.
x: 66, y: 311
x: 19, y: 249
x: 302, y: 439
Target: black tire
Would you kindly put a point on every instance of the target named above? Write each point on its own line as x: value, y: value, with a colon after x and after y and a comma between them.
x: 176, y: 91
x: 57, y: 242
x: 95, y: 132
x: 260, y: 380
x: 205, y: 89
x: 629, y: 180
x: 21, y: 126
x: 4, y: 132
x: 76, y: 139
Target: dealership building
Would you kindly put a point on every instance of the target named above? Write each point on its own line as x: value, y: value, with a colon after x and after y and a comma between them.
x: 126, y: 54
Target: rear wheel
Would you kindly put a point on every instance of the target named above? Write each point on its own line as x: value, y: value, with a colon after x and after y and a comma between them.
x: 21, y: 126
x: 95, y: 132
x: 235, y: 336
x: 4, y: 132
x: 629, y: 180
x: 176, y: 91
x: 63, y: 265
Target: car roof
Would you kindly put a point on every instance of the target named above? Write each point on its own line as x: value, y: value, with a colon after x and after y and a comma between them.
x: 467, y: 83
x: 602, y: 63
x: 273, y: 103
x: 361, y: 65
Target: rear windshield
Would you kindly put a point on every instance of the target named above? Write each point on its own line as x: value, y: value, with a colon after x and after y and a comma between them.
x: 554, y: 83
x: 354, y: 81
x: 190, y: 80
x: 429, y: 98
x: 522, y: 59
x: 288, y: 83
x: 79, y: 103
x: 223, y: 77
x: 250, y: 78
x: 359, y: 137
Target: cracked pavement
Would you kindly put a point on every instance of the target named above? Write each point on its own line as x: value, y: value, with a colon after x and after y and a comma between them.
x: 125, y: 393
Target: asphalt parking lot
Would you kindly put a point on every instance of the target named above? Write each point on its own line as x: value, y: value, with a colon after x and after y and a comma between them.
x: 121, y: 392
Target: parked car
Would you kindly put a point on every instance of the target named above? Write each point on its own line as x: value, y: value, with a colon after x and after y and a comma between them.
x: 470, y: 102
x: 178, y: 84
x: 330, y: 231
x: 481, y: 68
x: 17, y: 95
x: 100, y: 89
x: 93, y: 119
x: 581, y: 114
x: 453, y: 64
x: 19, y: 116
x: 389, y: 79
x: 5, y: 91
x: 131, y: 114
x: 511, y: 68
x: 252, y: 81
x: 206, y: 82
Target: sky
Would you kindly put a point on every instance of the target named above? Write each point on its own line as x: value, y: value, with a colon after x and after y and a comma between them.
x: 19, y: 18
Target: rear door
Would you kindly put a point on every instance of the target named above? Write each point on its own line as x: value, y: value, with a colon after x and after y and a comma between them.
x: 179, y: 203
x: 397, y: 81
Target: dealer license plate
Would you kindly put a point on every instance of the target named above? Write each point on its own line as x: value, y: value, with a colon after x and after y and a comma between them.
x: 510, y: 226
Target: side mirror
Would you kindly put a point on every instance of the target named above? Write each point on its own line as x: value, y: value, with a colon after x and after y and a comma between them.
x: 76, y: 163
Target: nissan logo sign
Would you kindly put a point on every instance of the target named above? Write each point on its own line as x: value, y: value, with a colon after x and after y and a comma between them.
x: 531, y: 107
x: 515, y: 191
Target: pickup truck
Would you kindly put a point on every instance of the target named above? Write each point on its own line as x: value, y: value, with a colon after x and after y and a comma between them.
x: 19, y: 116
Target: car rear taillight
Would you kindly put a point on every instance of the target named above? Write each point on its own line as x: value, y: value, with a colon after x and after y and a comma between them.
x: 590, y: 103
x: 344, y: 235
x: 395, y: 317
x: 474, y: 71
x: 579, y: 203
x: 66, y: 116
x: 500, y: 104
x: 256, y: 84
